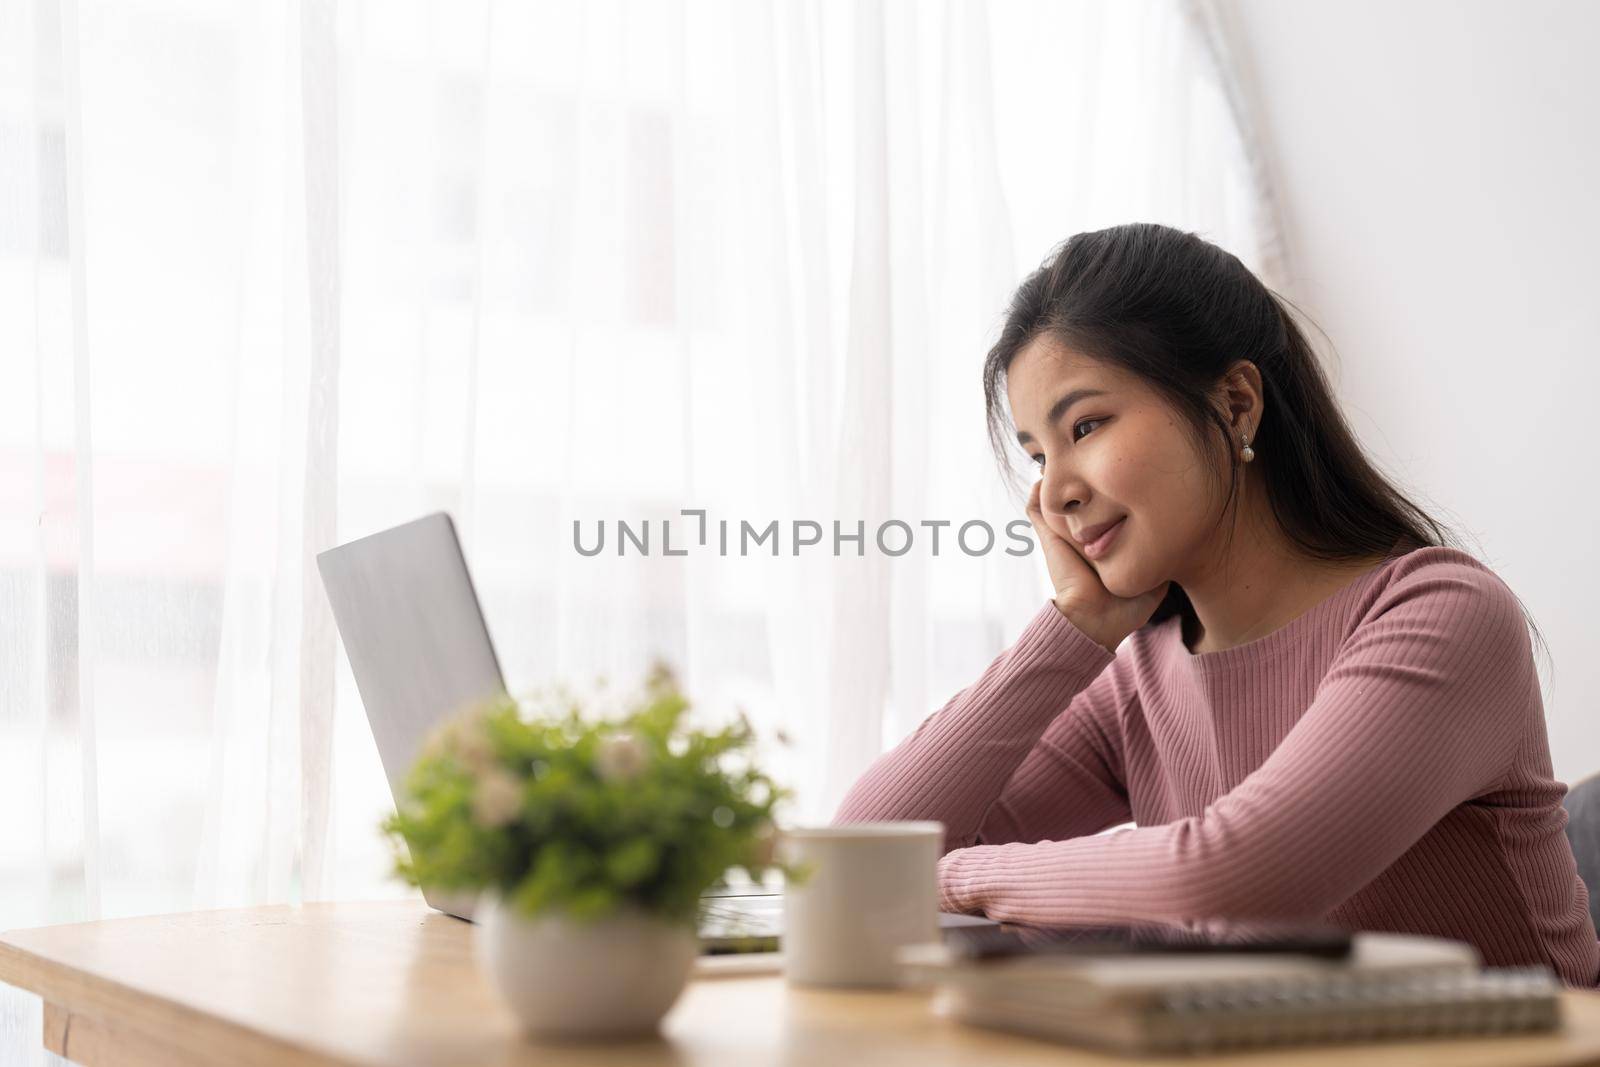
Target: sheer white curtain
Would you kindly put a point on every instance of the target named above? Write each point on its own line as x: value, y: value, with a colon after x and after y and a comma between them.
x: 274, y: 275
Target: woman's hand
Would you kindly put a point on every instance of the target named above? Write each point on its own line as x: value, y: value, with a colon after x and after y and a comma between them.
x: 1079, y: 593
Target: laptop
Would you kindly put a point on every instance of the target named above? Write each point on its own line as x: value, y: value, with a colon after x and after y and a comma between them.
x: 419, y: 647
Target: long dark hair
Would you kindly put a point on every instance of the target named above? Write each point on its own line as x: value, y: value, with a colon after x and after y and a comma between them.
x: 1177, y: 311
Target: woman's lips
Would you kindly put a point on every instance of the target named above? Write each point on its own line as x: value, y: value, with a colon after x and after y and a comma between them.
x: 1102, y: 544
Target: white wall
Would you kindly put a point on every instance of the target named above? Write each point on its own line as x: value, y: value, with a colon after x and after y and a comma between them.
x: 1438, y: 164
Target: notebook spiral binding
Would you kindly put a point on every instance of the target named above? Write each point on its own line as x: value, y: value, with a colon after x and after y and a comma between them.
x: 1493, y: 1001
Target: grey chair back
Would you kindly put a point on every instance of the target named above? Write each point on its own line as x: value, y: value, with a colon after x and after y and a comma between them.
x: 1583, y: 831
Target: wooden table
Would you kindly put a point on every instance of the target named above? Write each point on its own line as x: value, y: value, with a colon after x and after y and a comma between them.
x: 394, y: 983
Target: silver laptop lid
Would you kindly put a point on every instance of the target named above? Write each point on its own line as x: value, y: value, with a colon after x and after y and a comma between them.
x: 418, y: 644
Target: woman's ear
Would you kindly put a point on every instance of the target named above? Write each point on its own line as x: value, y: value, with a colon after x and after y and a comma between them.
x: 1239, y: 397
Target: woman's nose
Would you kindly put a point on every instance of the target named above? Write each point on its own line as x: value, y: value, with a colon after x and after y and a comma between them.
x: 1060, y: 493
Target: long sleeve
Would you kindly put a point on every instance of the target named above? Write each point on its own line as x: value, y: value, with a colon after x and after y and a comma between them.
x: 1073, y: 781
x: 1424, y: 707
x: 955, y: 765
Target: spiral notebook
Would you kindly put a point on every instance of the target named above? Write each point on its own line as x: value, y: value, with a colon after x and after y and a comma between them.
x: 1390, y: 986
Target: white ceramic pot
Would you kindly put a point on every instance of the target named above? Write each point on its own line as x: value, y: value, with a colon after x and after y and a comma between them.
x: 614, y: 978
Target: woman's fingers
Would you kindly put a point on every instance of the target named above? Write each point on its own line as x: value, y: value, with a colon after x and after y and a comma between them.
x: 1079, y: 592
x: 1069, y: 572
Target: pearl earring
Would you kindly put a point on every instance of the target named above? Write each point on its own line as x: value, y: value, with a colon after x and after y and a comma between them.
x: 1246, y: 453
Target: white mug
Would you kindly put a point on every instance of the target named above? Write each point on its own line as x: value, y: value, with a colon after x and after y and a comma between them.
x: 872, y: 888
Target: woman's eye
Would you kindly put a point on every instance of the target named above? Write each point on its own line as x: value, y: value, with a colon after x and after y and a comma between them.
x: 1039, y: 460
x: 1076, y: 436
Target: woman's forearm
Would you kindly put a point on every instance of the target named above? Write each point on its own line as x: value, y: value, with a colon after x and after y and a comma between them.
x: 954, y: 766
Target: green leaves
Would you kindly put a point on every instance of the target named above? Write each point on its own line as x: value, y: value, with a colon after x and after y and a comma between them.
x: 632, y: 862
x: 559, y: 812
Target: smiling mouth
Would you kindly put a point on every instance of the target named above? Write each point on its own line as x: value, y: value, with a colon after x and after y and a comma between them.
x: 1102, y: 544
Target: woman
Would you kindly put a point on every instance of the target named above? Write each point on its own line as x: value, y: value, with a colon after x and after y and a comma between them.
x: 1258, y: 650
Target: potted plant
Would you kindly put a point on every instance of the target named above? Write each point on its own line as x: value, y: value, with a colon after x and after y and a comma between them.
x: 590, y: 839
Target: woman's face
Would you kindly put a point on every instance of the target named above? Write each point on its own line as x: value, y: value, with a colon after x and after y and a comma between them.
x: 1111, y: 449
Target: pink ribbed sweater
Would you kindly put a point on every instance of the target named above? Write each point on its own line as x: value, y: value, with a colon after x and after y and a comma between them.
x: 1379, y: 762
